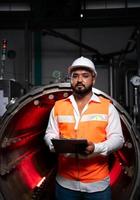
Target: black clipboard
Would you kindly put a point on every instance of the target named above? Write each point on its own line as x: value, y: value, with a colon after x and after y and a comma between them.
x: 69, y: 145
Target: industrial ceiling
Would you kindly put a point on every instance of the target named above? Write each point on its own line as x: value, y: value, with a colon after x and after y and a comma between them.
x: 68, y: 13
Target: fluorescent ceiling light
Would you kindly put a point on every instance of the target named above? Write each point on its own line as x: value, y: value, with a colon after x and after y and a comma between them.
x: 14, y: 7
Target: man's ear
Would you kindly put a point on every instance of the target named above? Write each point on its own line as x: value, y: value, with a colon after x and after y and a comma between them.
x: 94, y: 81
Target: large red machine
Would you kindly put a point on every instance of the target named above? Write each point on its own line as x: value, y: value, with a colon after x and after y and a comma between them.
x: 27, y: 168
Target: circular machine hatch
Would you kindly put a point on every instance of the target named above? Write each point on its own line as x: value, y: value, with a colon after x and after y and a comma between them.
x: 27, y: 168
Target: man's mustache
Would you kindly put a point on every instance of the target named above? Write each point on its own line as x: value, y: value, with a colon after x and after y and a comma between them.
x: 80, y: 84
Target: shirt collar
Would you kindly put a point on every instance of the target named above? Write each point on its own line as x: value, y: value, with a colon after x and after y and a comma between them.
x: 94, y: 97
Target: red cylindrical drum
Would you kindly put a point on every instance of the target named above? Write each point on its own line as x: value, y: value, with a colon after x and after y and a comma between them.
x: 27, y: 168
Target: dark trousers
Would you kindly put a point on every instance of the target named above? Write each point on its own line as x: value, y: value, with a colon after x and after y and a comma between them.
x: 66, y: 194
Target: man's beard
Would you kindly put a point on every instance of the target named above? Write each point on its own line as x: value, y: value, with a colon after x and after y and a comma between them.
x: 81, y: 91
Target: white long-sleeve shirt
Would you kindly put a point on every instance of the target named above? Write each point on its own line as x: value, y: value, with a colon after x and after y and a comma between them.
x: 114, y: 135
x: 113, y: 142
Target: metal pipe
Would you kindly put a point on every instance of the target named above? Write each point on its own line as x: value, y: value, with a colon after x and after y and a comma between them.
x: 111, y: 78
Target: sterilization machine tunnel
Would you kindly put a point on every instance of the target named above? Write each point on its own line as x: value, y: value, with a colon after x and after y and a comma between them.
x: 27, y: 168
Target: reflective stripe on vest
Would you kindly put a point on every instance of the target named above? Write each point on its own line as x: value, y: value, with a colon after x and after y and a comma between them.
x: 85, y: 118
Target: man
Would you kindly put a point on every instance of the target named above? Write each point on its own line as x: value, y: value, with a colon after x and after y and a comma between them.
x: 84, y: 115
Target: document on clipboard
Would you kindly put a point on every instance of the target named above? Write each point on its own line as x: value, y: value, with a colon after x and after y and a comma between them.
x: 69, y: 145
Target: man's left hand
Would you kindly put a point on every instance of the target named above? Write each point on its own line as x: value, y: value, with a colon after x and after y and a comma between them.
x: 90, y: 148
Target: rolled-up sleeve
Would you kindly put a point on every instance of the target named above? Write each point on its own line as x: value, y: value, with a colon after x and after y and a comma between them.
x: 114, y: 139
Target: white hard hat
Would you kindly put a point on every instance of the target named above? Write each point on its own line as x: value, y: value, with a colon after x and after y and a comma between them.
x: 83, y: 62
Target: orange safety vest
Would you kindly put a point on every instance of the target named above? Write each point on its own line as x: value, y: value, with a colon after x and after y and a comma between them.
x: 92, y: 127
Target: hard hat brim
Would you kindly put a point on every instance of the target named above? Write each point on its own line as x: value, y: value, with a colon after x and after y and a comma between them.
x: 73, y: 68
